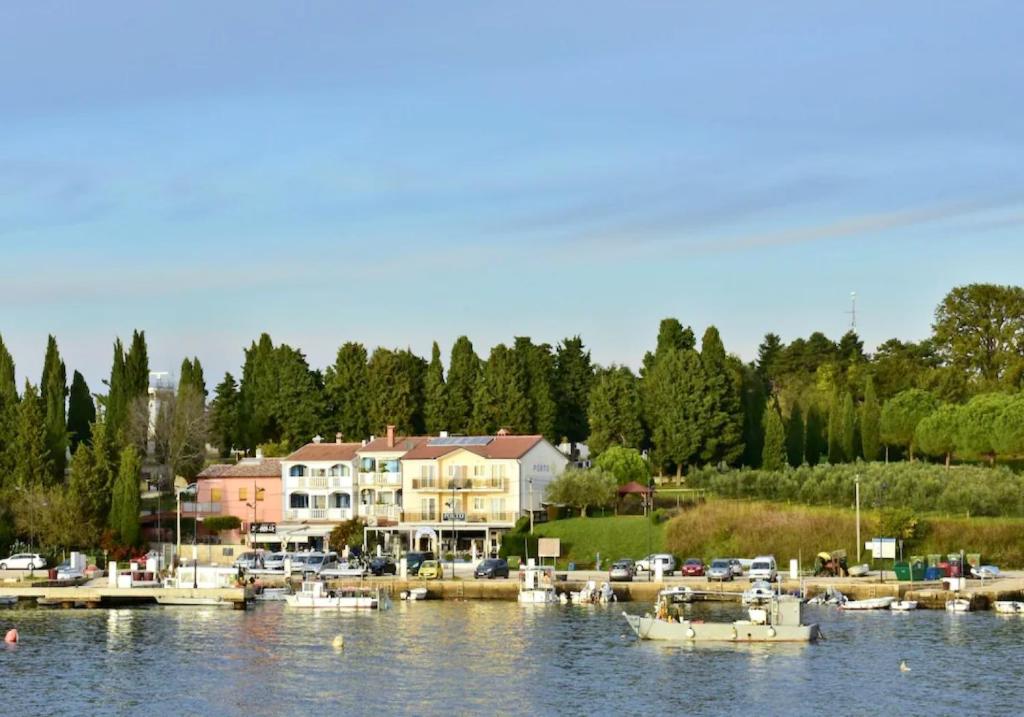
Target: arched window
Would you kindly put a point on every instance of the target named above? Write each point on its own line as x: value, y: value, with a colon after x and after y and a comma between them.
x: 367, y: 496
x: 298, y: 500
x: 341, y: 500
x: 339, y: 469
x: 298, y: 471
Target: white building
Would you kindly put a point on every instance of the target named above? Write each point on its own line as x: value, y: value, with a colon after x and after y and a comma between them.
x: 318, y: 485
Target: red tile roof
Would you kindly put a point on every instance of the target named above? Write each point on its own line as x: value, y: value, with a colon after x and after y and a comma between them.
x: 402, y: 443
x: 214, y: 470
x: 247, y: 468
x: 500, y: 447
x: 326, y: 452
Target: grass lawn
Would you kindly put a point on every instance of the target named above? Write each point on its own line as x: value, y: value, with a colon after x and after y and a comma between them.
x: 624, y: 536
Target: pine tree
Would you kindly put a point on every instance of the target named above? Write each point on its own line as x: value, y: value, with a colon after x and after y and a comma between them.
x: 536, y: 364
x: 795, y: 437
x: 614, y: 410
x: 224, y: 416
x: 136, y: 367
x: 574, y: 377
x: 722, y: 427
x: 53, y: 394
x: 124, y: 508
x: 849, y: 429
x: 81, y: 412
x: 774, y: 456
x: 347, y: 386
x: 768, y: 354
x: 679, y: 405
x: 396, y: 391
x: 463, y: 373
x: 297, y: 405
x: 256, y: 390
x: 31, y: 457
x: 814, y: 440
x: 870, y: 414
x: 835, y: 430
x: 501, y: 399
x: 435, y: 410
x: 754, y: 399
x: 8, y: 415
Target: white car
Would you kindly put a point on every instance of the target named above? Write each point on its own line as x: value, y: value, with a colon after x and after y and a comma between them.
x: 343, y: 570
x: 651, y: 562
x: 763, y: 568
x: 23, y: 561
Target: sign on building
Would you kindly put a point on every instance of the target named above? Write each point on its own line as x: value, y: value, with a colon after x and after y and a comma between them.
x: 270, y: 528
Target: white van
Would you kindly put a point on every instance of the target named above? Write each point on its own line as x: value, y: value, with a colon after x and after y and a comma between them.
x: 762, y: 568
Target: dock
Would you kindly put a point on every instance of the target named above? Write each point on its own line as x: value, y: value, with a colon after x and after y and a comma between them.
x: 97, y: 596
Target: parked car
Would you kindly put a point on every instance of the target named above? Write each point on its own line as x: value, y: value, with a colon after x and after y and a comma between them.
x: 622, y: 570
x: 491, y: 568
x: 762, y: 568
x: 693, y: 568
x: 23, y: 561
x: 66, y: 572
x: 310, y: 564
x: 274, y: 561
x: 430, y: 570
x: 651, y: 562
x: 737, y: 567
x: 249, y: 561
x: 384, y: 565
x: 344, y: 569
x: 720, y: 570
x: 414, y: 560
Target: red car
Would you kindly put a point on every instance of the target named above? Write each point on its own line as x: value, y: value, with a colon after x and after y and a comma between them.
x: 693, y: 568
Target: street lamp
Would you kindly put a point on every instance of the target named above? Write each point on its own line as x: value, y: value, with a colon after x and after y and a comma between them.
x: 650, y: 561
x: 856, y: 488
x: 455, y: 536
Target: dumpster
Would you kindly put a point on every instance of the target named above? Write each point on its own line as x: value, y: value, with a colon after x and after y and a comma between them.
x: 917, y: 570
x: 933, y: 573
x: 902, y: 570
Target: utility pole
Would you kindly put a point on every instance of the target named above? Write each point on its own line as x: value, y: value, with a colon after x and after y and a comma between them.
x: 856, y: 487
x: 853, y: 311
x: 529, y: 482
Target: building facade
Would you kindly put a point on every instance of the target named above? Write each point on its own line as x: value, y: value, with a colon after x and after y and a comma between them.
x: 250, y: 490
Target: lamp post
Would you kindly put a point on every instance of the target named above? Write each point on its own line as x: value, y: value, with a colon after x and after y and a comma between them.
x: 650, y: 562
x: 455, y: 537
x: 529, y: 482
x: 856, y: 488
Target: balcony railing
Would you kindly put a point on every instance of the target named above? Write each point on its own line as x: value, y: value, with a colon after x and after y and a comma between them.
x: 381, y: 478
x: 188, y: 509
x: 482, y: 484
x: 391, y: 512
x: 470, y: 517
x: 300, y: 482
x: 318, y: 514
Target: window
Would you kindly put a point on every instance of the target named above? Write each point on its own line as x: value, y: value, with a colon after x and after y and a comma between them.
x: 498, y: 471
x: 319, y: 473
x: 319, y: 502
x: 297, y: 471
x: 497, y: 506
x: 391, y: 466
x: 243, y: 493
x: 427, y: 472
x: 456, y: 471
x: 367, y: 465
x: 428, y: 508
x: 338, y: 469
x: 341, y: 500
x: 215, y: 495
x: 479, y: 504
x: 298, y: 500
x: 478, y: 470
x: 260, y: 493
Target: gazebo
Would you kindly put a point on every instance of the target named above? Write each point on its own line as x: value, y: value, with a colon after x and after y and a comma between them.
x: 634, y: 488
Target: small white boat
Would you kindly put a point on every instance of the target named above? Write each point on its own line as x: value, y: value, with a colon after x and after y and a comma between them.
x: 879, y: 603
x: 778, y: 621
x: 536, y: 586
x: 272, y: 594
x: 986, y: 572
x: 1009, y: 607
x: 958, y: 605
x: 314, y: 594
x: 677, y: 594
x: 414, y: 594
x: 903, y: 605
x: 859, y: 571
x: 760, y: 593
x: 591, y: 594
x: 179, y: 600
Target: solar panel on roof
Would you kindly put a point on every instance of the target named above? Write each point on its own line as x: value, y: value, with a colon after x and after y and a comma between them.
x: 460, y: 441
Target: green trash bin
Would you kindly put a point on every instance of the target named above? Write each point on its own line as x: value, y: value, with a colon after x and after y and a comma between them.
x: 917, y: 569
x: 902, y: 570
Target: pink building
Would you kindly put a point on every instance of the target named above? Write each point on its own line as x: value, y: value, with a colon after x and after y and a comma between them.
x: 249, y: 490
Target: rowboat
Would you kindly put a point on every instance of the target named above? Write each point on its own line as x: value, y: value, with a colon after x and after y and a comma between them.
x: 1009, y: 606
x: 958, y: 605
x: 903, y: 605
x: 879, y: 603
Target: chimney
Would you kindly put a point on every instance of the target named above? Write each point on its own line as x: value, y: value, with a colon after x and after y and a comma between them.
x: 259, y: 453
x: 364, y: 443
x: 502, y: 431
x: 391, y: 436
x: 337, y: 437
x: 442, y: 434
x: 317, y: 438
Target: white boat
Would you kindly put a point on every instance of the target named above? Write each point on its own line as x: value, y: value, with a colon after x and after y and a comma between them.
x: 760, y: 593
x: 677, y: 594
x: 181, y: 600
x: 414, y: 594
x: 316, y: 595
x: 536, y: 586
x: 903, y: 605
x: 879, y: 603
x: 958, y: 605
x: 591, y: 594
x: 859, y: 571
x: 1008, y: 607
x: 778, y: 621
x: 272, y: 594
x: 986, y: 572
x: 8, y: 600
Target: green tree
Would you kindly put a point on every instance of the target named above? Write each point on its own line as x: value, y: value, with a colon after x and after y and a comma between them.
x: 936, y: 433
x: 583, y: 489
x: 186, y: 444
x: 298, y: 404
x: 31, y: 457
x: 574, y: 377
x: 535, y: 367
x: 722, y: 426
x: 901, y: 414
x: 435, y: 410
x: 125, y: 502
x: 104, y: 466
x: 835, y: 430
x: 753, y: 399
x: 86, y: 485
x: 774, y: 456
x: 501, y: 399
x: 1009, y: 427
x: 136, y: 366
x: 347, y: 387
x: 768, y: 354
x: 396, y: 390
x: 626, y: 464
x: 679, y: 405
x: 978, y: 434
x: 814, y: 436
x: 849, y: 429
x: 795, y: 437
x: 463, y: 373
x: 118, y: 396
x: 258, y: 421
x: 8, y: 415
x: 224, y: 429
x: 53, y: 394
x: 979, y: 328
x: 870, y: 416
x: 614, y: 410
x: 81, y: 412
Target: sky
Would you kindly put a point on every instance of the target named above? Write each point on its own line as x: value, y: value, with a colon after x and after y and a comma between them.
x: 402, y: 173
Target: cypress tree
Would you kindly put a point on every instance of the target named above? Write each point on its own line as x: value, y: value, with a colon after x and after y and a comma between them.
x: 8, y: 414
x: 224, y: 416
x: 849, y: 429
x: 435, y: 410
x: 463, y: 373
x: 82, y: 486
x: 124, y: 510
x: 256, y: 390
x: 81, y: 412
x: 136, y: 367
x: 188, y: 434
x: 773, y: 458
x: 574, y: 377
x: 347, y: 386
x: 297, y: 405
x: 116, y: 403
x: 870, y: 414
x: 795, y: 437
x: 31, y: 457
x: 535, y: 367
x: 614, y: 411
x: 754, y: 399
x: 396, y: 391
x: 53, y: 394
x: 104, y: 459
x: 678, y: 392
x: 814, y: 441
x: 835, y: 430
x: 501, y: 399
x: 722, y: 427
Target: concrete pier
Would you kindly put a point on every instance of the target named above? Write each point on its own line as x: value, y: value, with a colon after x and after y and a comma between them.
x: 104, y: 596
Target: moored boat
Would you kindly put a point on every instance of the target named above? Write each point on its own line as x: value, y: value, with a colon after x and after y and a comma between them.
x: 903, y: 605
x: 536, y: 586
x: 879, y: 603
x: 314, y: 594
x: 272, y: 594
x: 187, y: 601
x: 958, y: 605
x: 591, y: 594
x: 414, y: 594
x: 779, y: 621
x: 760, y: 593
x: 859, y: 571
x: 1008, y: 607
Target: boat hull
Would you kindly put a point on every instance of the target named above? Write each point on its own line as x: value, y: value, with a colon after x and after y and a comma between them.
x: 538, y: 597
x: 651, y: 628
x: 331, y: 603
x: 1009, y: 607
x: 882, y: 603
x: 903, y: 605
x: 192, y: 601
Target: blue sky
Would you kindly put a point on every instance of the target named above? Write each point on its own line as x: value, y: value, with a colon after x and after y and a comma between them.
x: 396, y: 174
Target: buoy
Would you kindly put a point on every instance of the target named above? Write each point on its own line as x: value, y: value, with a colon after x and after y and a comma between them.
x: 904, y: 667
x: 339, y: 642
x: 11, y: 638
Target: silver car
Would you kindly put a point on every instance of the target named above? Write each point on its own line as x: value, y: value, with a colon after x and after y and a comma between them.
x: 622, y: 571
x: 737, y: 567
x: 720, y: 570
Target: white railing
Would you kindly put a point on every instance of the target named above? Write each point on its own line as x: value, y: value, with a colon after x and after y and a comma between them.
x: 318, y: 514
x: 392, y: 512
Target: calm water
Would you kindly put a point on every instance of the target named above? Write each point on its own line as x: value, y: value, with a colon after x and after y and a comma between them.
x: 495, y: 658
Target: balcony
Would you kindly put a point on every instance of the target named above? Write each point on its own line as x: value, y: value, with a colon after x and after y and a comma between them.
x: 471, y: 484
x: 393, y: 480
x: 326, y: 514
x: 325, y: 482
x: 201, y: 508
x: 389, y: 512
x: 467, y: 518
